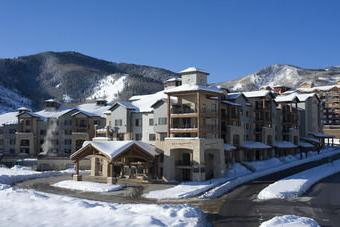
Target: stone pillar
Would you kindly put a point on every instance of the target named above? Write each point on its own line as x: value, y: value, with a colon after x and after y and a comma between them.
x: 93, y: 166
x: 77, y: 176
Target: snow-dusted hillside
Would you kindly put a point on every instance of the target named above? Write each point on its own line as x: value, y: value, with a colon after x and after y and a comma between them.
x: 109, y: 87
x: 287, y: 75
x: 10, y: 100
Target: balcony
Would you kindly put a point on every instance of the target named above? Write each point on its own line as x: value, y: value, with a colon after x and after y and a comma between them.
x: 184, y: 163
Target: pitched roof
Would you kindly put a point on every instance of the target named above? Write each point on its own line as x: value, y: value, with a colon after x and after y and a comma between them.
x: 9, y: 118
x: 255, y: 145
x: 113, y: 149
x: 190, y: 87
x: 284, y: 144
x: 255, y: 94
x: 192, y: 69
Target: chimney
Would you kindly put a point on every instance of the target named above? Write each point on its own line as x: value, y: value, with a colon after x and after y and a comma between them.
x: 194, y: 76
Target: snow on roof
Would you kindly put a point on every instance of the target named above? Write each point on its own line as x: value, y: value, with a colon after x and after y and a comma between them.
x: 114, y: 148
x: 229, y: 147
x: 174, y: 79
x: 9, y: 118
x: 254, y: 94
x: 234, y: 95
x: 231, y: 103
x: 193, y: 69
x: 310, y: 139
x: 144, y: 102
x: 318, y: 88
x: 304, y: 97
x: 286, y: 98
x: 52, y: 113
x: 284, y: 144
x: 255, y: 145
x: 305, y: 144
x: 321, y: 135
x: 189, y: 87
x: 93, y: 109
x: 23, y: 109
x: 127, y: 105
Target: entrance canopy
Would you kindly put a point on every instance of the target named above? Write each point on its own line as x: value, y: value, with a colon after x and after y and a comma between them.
x: 284, y: 145
x: 254, y: 145
x: 321, y: 135
x: 113, y: 149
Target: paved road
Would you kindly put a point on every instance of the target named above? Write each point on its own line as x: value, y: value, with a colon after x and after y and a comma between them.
x: 240, y: 207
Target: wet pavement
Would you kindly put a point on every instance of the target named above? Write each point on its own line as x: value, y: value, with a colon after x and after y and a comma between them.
x: 131, y: 193
x: 241, y: 208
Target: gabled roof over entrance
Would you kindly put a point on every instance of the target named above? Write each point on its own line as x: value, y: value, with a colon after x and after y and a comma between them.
x: 112, y: 149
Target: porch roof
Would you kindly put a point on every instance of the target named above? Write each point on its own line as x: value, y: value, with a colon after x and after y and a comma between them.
x: 229, y: 147
x: 321, y: 135
x: 112, y: 149
x: 305, y: 145
x: 255, y: 145
x: 284, y: 144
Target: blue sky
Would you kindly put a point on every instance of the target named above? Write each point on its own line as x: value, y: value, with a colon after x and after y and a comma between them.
x: 227, y: 38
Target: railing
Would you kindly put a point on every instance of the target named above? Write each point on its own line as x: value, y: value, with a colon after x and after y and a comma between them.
x: 182, y: 110
x: 184, y: 163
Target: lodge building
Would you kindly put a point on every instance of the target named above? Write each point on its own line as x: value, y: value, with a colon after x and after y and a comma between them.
x: 190, y: 131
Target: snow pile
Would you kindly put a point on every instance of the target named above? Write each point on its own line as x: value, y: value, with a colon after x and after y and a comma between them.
x: 191, y: 189
x: 290, y: 221
x: 88, y: 186
x: 109, y: 87
x: 295, y: 185
x: 28, y: 207
x: 287, y: 162
x: 18, y: 173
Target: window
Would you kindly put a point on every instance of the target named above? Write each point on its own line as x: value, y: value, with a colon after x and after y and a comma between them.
x: 12, y: 141
x: 67, y: 142
x: 82, y: 123
x: 162, y: 121
x: 96, y: 122
x: 24, y: 143
x: 67, y: 151
x: 151, y: 121
x: 137, y: 122
x: 138, y: 136
x: 1, y: 142
x: 152, y: 137
x: 42, y: 132
x: 118, y: 122
x: 162, y: 136
x: 68, y: 132
x: 12, y: 131
x: 67, y: 122
x: 27, y: 122
x: 1, y: 131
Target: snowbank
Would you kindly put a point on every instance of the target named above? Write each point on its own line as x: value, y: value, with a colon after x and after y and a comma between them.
x: 286, y: 163
x: 18, y: 173
x: 32, y: 208
x: 297, y: 184
x: 87, y: 186
x: 191, y: 189
x: 290, y: 221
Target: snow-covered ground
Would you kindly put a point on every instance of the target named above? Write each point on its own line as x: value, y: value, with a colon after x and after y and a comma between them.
x: 297, y: 184
x: 236, y: 176
x: 21, y: 207
x: 87, y: 186
x: 290, y: 221
x: 18, y: 173
x: 191, y: 189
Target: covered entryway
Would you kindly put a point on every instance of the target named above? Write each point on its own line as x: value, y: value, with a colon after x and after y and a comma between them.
x: 113, y: 159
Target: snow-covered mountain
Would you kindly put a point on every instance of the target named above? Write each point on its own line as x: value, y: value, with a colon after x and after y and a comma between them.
x: 73, y: 78
x: 286, y: 75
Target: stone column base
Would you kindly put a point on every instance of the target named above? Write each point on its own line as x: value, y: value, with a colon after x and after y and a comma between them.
x: 111, y: 180
x: 77, y: 177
